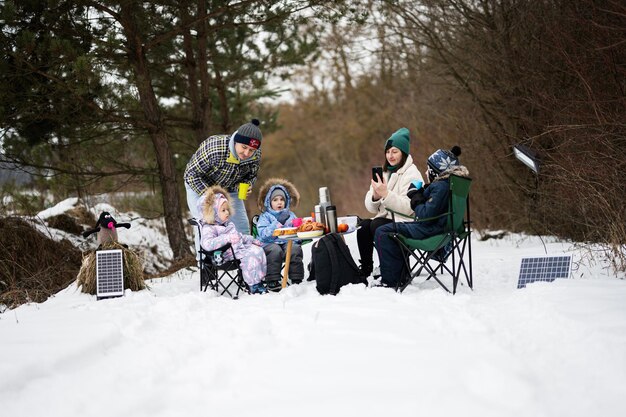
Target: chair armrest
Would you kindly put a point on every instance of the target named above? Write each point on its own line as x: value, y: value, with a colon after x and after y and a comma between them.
x: 425, y: 219
x: 222, y: 249
x: 397, y: 213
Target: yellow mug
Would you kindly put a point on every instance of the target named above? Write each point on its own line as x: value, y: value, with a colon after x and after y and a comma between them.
x: 243, y: 190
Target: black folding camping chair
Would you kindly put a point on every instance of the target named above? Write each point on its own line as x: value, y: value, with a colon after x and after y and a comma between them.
x: 224, y: 277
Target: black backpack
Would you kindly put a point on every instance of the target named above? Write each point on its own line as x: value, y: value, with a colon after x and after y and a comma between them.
x: 332, y: 266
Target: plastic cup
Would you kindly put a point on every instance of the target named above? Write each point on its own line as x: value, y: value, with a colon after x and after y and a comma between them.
x: 243, y: 190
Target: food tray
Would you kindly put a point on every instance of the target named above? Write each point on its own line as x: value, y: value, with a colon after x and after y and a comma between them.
x: 310, y: 234
x: 285, y: 231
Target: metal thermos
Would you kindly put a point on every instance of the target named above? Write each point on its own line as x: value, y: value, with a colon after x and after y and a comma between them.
x: 320, y: 215
x: 324, y: 204
x: 324, y: 195
x: 331, y: 218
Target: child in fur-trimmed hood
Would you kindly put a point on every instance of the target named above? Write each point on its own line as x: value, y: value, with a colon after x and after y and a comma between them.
x: 276, y: 197
x: 218, y: 230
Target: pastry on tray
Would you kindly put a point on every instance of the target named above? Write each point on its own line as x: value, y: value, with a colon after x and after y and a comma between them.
x: 285, y: 231
x: 310, y: 226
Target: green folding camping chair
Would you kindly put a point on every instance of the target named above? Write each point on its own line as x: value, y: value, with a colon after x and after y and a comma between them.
x: 454, y: 244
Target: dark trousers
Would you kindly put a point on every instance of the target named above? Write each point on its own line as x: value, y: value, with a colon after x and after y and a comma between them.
x: 392, y: 265
x: 365, y: 240
x: 275, y: 255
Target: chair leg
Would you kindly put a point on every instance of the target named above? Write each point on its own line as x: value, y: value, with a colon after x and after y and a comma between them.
x: 235, y: 284
x: 207, y: 278
x: 470, y: 278
x: 460, y: 249
x: 406, y: 256
x: 422, y: 260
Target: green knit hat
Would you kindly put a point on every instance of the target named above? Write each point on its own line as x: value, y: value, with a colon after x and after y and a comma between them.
x: 400, y: 139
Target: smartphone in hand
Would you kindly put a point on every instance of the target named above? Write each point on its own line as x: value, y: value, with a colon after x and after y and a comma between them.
x: 377, y: 174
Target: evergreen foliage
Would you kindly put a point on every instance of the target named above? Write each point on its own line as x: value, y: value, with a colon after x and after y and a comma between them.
x: 97, y: 89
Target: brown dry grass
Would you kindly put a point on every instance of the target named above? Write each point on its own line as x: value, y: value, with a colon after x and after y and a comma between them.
x: 176, y: 265
x: 66, y: 223
x: 82, y: 215
x: 133, y: 270
x: 32, y: 266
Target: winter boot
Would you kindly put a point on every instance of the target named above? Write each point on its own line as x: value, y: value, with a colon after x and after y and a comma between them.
x: 258, y: 288
x: 365, y: 270
x: 376, y: 274
x: 274, y: 286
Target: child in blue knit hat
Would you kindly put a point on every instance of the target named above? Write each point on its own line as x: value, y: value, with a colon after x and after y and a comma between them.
x: 439, y: 162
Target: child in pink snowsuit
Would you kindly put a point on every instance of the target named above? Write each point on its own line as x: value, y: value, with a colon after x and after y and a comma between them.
x: 218, y: 230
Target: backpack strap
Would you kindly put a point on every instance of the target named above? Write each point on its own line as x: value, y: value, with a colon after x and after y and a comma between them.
x: 334, y: 265
x: 343, y: 248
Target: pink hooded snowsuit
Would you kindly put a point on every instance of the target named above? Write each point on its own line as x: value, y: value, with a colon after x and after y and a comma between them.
x: 216, y: 234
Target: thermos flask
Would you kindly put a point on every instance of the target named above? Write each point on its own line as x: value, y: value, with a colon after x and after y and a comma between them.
x: 320, y: 216
x: 324, y: 204
x: 331, y: 218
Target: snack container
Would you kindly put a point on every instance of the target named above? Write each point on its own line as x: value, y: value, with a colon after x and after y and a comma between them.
x: 312, y: 233
x: 285, y: 231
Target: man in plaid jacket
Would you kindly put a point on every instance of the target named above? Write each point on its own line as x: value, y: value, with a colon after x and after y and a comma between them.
x: 227, y: 161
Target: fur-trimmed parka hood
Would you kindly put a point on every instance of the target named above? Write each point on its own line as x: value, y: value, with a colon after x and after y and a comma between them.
x: 458, y: 170
x: 294, y: 195
x: 206, y: 203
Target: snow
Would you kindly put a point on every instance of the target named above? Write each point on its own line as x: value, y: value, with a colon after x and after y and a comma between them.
x: 146, y: 236
x: 551, y: 349
x: 59, y: 208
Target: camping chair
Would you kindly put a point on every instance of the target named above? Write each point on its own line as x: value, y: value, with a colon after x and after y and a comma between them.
x: 253, y: 228
x: 223, y: 277
x: 457, y: 235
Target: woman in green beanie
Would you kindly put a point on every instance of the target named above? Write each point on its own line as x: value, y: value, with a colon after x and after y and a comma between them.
x: 388, y: 192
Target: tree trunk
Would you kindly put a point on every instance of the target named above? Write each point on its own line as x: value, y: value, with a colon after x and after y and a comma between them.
x: 203, y: 70
x: 197, y: 73
x: 152, y: 114
x: 171, y: 201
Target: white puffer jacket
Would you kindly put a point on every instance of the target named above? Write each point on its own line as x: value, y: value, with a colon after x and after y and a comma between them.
x: 396, y: 200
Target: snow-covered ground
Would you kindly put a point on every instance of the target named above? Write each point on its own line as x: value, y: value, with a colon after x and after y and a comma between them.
x: 551, y: 349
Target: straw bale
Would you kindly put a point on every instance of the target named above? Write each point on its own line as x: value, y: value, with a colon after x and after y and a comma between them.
x: 133, y: 270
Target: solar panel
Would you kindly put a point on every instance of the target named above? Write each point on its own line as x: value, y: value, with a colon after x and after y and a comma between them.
x: 109, y: 273
x: 546, y: 268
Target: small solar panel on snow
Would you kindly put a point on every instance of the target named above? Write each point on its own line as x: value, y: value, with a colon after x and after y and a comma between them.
x: 109, y: 273
x: 546, y: 268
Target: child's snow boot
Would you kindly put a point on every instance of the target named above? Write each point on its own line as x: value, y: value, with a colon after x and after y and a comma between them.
x: 258, y: 288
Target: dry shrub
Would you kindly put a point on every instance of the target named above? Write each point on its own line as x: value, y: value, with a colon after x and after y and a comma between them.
x: 66, y: 223
x: 133, y: 270
x: 176, y: 265
x: 32, y: 266
x: 485, y: 76
x: 82, y: 215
